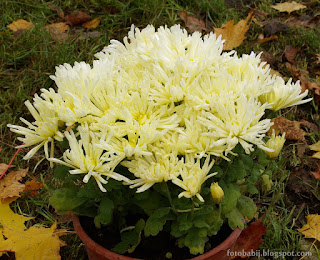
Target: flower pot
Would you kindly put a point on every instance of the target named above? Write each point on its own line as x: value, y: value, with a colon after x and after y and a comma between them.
x: 97, y: 252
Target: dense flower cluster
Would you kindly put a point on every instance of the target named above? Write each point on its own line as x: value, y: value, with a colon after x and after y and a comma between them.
x: 157, y: 104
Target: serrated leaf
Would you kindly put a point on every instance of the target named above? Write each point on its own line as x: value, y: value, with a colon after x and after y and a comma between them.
x: 231, y: 196
x: 130, y: 239
x: 105, y: 212
x: 252, y: 189
x: 235, y: 219
x: 236, y: 171
x: 66, y: 199
x: 247, y: 207
x: 200, y: 223
x: 312, y: 228
x: 156, y: 222
x: 196, y: 240
x: 90, y: 190
x: 185, y: 221
x: 10, y: 185
x: 20, y: 24
x: 288, y: 6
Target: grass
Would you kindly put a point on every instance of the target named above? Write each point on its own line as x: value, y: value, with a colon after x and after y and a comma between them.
x: 27, y: 60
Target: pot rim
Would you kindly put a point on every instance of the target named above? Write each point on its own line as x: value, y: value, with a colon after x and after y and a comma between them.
x: 92, y: 245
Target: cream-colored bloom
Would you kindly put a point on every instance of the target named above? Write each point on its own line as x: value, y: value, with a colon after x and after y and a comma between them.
x: 193, y: 176
x: 237, y: 120
x: 148, y: 170
x: 85, y: 157
x: 41, y: 132
x: 283, y: 95
x: 275, y: 143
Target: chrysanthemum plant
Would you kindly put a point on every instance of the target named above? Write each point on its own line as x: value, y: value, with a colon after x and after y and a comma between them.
x: 164, y: 126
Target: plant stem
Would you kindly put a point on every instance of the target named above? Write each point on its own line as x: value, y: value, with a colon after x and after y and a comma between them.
x: 170, y: 199
x: 192, y: 209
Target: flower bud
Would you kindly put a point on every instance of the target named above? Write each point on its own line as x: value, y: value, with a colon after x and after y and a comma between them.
x: 216, y: 192
x: 276, y: 143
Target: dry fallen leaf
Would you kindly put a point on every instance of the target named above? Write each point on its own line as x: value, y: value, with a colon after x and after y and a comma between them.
x: 234, y: 34
x: 77, y: 17
x: 273, y: 26
x: 318, y: 59
x: 312, y: 228
x: 261, y: 39
x: 303, y: 20
x: 20, y: 24
x: 250, y: 238
x: 290, y: 53
x: 58, y: 30
x: 32, y: 187
x: 317, y: 173
x: 267, y: 57
x: 288, y: 7
x: 60, y: 13
x: 27, y: 244
x: 87, y: 35
x: 92, y: 24
x: 10, y: 185
x: 291, y: 128
x: 192, y: 23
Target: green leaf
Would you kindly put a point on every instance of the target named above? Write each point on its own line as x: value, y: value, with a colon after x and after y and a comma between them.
x: 196, y: 240
x: 236, y: 171
x: 231, y: 196
x: 90, y: 190
x: 205, y: 209
x: 252, y: 189
x: 130, y: 239
x: 88, y: 209
x: 151, y: 203
x: 65, y: 199
x: 247, y: 161
x: 185, y: 221
x: 200, y: 223
x: 156, y: 221
x: 247, y: 207
x: 105, y: 212
x: 235, y: 219
x: 61, y: 172
x: 215, y: 227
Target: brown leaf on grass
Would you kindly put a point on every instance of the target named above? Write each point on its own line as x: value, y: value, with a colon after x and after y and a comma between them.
x: 303, y: 76
x: 10, y: 185
x: 3, y: 167
x: 317, y: 173
x: 192, y: 23
x: 315, y: 147
x: 20, y: 24
x: 58, y: 30
x: 234, y: 34
x: 250, y: 238
x: 261, y: 39
x: 291, y: 128
x: 60, y: 13
x: 312, y: 228
x: 288, y: 7
x: 267, y: 57
x: 65, y: 218
x: 32, y: 187
x: 259, y: 14
x: 92, y: 24
x: 290, y: 53
x: 77, y: 17
x: 273, y: 26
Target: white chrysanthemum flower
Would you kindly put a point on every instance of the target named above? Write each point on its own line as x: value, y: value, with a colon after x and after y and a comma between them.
x: 283, y: 95
x: 155, y: 168
x: 41, y: 132
x: 276, y: 143
x: 237, y: 120
x: 85, y: 157
x: 193, y: 176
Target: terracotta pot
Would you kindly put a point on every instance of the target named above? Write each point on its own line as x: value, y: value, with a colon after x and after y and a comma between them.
x: 97, y: 252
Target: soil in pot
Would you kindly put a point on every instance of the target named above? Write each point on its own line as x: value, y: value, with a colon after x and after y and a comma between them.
x: 152, y: 248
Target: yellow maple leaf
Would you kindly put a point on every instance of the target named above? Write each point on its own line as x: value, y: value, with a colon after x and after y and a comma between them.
x: 315, y: 147
x: 20, y: 24
x: 10, y: 185
x: 312, y: 228
x: 234, y: 34
x: 28, y: 244
x: 91, y: 24
x: 288, y: 7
